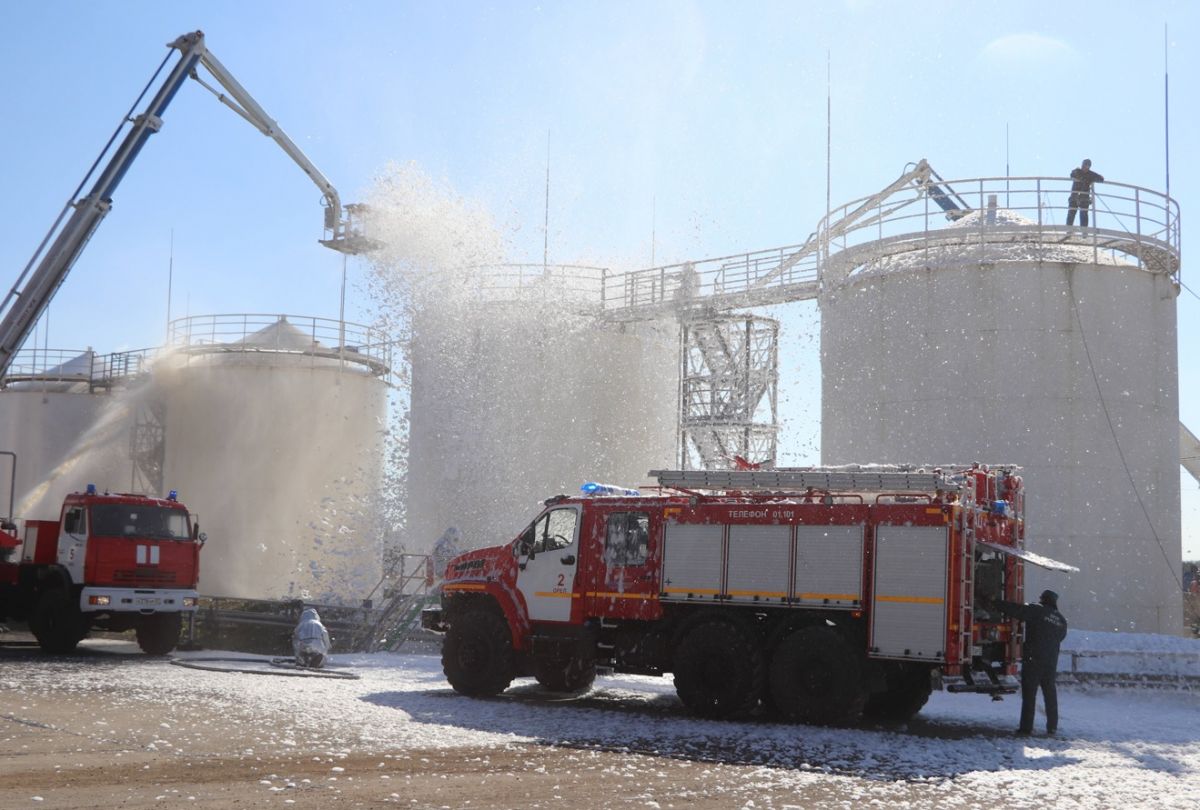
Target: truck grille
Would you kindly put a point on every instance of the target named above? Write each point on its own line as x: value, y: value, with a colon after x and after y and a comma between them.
x: 143, y: 576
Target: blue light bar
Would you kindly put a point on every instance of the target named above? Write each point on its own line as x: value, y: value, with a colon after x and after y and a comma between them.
x: 592, y: 488
x: 91, y: 489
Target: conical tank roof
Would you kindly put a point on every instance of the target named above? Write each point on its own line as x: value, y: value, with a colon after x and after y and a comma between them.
x: 70, y: 375
x: 281, y: 335
x: 79, y: 366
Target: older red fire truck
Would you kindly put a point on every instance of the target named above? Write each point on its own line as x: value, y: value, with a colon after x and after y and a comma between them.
x: 111, y: 562
x: 817, y: 594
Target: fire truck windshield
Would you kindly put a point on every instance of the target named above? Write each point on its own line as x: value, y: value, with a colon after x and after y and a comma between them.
x: 134, y: 520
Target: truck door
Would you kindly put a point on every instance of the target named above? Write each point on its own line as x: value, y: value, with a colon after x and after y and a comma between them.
x: 549, y: 555
x: 625, y: 583
x: 72, y: 541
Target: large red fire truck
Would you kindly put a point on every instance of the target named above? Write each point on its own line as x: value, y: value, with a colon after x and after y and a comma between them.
x: 817, y: 594
x: 111, y: 561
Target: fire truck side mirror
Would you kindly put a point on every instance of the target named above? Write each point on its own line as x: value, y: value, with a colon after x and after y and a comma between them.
x: 202, y: 538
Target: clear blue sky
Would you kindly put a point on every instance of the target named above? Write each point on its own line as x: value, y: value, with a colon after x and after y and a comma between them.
x: 710, y: 114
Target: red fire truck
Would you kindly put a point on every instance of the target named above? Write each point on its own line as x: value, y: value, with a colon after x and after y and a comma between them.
x: 111, y: 562
x: 816, y: 594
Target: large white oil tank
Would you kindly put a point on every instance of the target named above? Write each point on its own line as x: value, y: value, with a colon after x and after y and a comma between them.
x: 274, y: 436
x: 520, y: 392
x: 1006, y: 337
x: 57, y: 415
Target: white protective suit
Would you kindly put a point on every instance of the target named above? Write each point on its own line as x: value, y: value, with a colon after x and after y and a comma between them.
x: 445, y: 550
x: 310, y: 640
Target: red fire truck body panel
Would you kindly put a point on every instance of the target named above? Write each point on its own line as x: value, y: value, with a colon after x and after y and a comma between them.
x: 111, y: 561
x: 885, y: 581
x: 44, y: 535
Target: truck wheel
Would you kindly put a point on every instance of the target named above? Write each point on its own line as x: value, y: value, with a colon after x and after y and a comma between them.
x: 908, y: 689
x: 158, y: 634
x: 565, y: 674
x: 477, y: 654
x: 56, y: 623
x: 816, y: 678
x: 719, y: 670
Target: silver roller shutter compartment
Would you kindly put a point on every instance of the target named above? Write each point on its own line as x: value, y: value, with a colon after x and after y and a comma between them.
x: 692, y: 561
x: 908, y: 606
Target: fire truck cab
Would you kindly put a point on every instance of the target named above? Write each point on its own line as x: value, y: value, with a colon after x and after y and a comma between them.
x: 818, y: 594
x: 111, y: 561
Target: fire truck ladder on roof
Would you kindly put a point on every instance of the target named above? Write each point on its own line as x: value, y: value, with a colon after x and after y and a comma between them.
x: 833, y: 479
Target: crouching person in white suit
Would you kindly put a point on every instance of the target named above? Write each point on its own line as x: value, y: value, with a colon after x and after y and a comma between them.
x: 310, y: 640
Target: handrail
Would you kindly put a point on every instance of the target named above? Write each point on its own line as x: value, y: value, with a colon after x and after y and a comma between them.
x: 54, y: 366
x: 305, y: 335
x: 1127, y: 224
x: 325, y: 338
x: 517, y: 282
x: 1138, y: 224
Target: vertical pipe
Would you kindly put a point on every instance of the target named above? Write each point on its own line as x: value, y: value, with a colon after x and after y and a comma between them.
x: 828, y: 130
x: 653, y: 226
x: 546, y: 218
x: 1137, y: 209
x: 170, y: 280
x: 1007, y: 170
x: 342, y: 320
x: 1167, y: 117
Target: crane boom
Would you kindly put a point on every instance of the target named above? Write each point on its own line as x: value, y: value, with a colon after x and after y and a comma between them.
x: 919, y: 175
x: 70, y: 233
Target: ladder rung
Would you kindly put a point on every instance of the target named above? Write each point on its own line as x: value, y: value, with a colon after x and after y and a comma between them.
x: 831, y: 479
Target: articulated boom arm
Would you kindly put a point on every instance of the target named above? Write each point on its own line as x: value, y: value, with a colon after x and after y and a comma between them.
x: 69, y: 235
x: 341, y: 230
x: 875, y: 208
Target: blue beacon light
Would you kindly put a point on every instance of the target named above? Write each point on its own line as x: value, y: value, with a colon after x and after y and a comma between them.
x: 593, y: 488
x: 91, y: 489
x: 172, y: 495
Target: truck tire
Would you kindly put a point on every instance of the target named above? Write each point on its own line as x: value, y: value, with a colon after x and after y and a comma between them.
x: 719, y: 669
x: 908, y: 689
x: 571, y: 675
x: 477, y: 653
x: 56, y: 622
x: 816, y: 678
x: 158, y: 634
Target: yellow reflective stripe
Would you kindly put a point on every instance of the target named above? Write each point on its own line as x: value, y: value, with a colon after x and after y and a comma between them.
x: 558, y: 594
x: 702, y: 591
x: 775, y: 594
x: 606, y: 595
x: 919, y: 600
x: 465, y: 586
x: 848, y: 597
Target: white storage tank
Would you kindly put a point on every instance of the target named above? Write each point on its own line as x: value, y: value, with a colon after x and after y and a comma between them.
x: 274, y: 436
x: 520, y: 392
x: 57, y: 416
x: 1008, y: 339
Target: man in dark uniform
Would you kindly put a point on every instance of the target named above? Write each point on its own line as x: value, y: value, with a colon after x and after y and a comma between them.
x: 1045, y: 628
x: 1081, y: 193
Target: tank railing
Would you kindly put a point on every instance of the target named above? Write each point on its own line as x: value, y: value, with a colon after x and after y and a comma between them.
x: 529, y: 282
x: 722, y: 282
x: 312, y: 337
x: 1126, y: 222
x: 77, y: 366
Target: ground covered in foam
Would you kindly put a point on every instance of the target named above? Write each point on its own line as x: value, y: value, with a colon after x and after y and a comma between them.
x: 628, y: 738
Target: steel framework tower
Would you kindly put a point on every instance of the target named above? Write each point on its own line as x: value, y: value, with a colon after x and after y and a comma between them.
x: 728, y: 391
